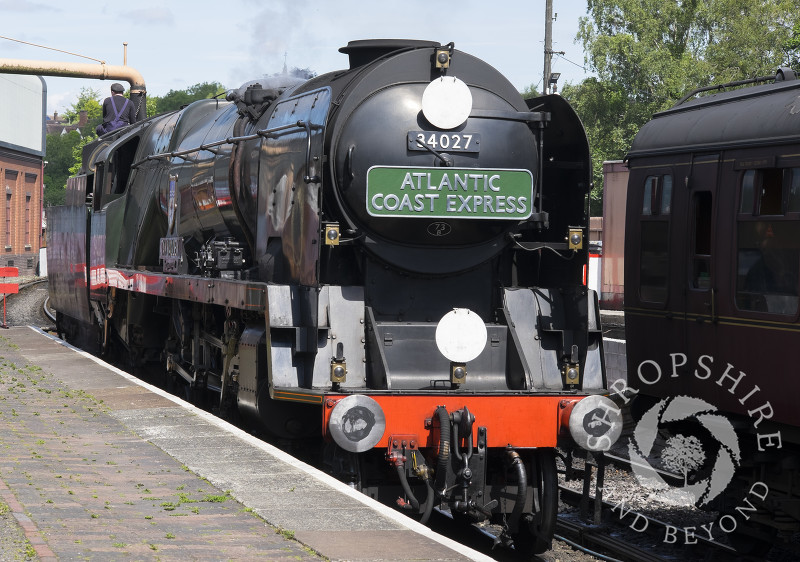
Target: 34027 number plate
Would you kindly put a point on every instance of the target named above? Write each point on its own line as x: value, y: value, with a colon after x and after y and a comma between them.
x: 444, y: 142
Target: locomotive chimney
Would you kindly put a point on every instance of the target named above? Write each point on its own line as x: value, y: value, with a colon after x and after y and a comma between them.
x: 368, y: 50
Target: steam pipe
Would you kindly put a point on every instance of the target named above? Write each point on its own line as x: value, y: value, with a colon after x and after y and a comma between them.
x: 100, y: 71
x: 401, y: 474
x: 444, y: 449
x: 522, y: 488
x: 428, y: 507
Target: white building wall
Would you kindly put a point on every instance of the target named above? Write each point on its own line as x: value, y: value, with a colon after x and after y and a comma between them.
x: 23, y: 102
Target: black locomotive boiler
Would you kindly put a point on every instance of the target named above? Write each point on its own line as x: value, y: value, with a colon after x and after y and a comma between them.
x: 390, y: 256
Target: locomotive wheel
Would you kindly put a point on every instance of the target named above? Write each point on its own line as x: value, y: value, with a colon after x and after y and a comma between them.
x: 535, y: 534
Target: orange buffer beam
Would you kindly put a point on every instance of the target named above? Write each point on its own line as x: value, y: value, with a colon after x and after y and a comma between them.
x: 519, y: 421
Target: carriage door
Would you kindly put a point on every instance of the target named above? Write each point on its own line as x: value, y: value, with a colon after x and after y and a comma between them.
x: 702, y: 276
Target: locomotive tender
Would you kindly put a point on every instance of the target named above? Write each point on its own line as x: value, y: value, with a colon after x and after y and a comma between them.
x: 390, y: 256
x: 712, y: 266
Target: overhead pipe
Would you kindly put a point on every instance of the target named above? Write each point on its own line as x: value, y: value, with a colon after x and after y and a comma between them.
x: 100, y: 71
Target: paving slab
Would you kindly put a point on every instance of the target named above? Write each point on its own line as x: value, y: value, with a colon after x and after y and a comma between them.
x: 99, y: 465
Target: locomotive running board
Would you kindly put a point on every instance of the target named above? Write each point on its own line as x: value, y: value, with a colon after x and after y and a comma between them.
x: 244, y: 295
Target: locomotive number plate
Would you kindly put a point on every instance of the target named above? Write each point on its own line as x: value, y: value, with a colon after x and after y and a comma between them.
x: 444, y: 142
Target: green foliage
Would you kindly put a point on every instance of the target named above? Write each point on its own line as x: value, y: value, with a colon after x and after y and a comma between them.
x: 530, y: 91
x: 152, y: 105
x: 611, y: 123
x: 60, y: 156
x: 77, y: 153
x: 749, y: 38
x: 792, y: 46
x: 175, y: 99
x: 647, y: 54
x: 88, y: 100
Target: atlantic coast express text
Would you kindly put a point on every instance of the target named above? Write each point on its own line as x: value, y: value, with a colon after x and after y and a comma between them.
x: 449, y: 193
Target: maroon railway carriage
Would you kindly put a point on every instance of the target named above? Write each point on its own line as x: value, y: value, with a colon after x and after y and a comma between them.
x: 712, y: 273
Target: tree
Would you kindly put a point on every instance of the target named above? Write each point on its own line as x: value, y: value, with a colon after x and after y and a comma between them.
x: 530, y: 91
x: 175, y: 99
x: 152, y: 105
x: 748, y: 38
x: 611, y: 122
x: 649, y: 53
x: 793, y: 46
x: 59, y: 159
x: 77, y: 154
x: 88, y: 100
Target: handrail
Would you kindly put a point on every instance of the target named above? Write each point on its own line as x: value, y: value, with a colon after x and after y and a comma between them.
x: 230, y: 140
x: 783, y: 73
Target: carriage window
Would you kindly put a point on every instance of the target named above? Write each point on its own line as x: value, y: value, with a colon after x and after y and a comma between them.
x: 764, y: 191
x: 649, y: 189
x: 657, y: 198
x: 768, y: 251
x: 666, y: 194
x: 701, y: 260
x: 748, y: 180
x: 770, y: 197
x: 794, y: 190
x: 653, y: 262
x: 768, y: 268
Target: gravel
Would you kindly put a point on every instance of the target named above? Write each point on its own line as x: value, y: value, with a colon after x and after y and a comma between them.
x: 25, y: 308
x: 13, y: 544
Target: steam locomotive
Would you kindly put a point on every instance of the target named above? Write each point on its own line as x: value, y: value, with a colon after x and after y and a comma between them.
x: 391, y: 256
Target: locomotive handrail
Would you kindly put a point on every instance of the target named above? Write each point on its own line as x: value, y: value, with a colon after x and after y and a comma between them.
x: 523, y: 116
x: 231, y: 140
x: 308, y: 178
x: 721, y: 87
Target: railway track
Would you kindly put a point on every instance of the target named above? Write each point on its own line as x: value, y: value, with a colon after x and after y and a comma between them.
x: 28, y: 307
x: 635, y: 537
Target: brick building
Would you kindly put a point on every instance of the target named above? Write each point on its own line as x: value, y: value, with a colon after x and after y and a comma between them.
x: 57, y: 125
x: 22, y: 148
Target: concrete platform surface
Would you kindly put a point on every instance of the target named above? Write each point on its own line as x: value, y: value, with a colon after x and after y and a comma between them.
x: 98, y: 465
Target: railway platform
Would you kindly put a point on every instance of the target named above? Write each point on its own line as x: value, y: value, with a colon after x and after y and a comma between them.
x: 96, y: 464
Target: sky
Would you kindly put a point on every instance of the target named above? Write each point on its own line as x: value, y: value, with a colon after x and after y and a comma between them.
x: 178, y: 43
